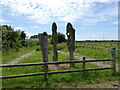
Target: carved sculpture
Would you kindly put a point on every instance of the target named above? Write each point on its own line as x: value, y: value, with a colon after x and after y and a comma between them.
x: 71, y: 41
x: 54, y: 41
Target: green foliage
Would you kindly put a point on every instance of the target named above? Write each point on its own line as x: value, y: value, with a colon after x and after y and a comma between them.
x: 61, y: 38
x: 13, y: 40
x: 30, y: 43
x: 34, y: 37
x: 23, y: 35
x: 10, y: 39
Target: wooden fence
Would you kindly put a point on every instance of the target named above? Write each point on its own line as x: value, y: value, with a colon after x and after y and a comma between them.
x: 44, y: 47
x: 46, y: 70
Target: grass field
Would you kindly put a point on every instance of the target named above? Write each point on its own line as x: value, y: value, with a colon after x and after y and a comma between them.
x: 102, y: 44
x: 68, y: 80
x: 92, y: 52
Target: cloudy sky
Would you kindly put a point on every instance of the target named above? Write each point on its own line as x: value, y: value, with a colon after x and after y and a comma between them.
x: 92, y: 19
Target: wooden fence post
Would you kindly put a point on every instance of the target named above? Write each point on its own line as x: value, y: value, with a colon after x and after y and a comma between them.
x: 84, y: 63
x: 45, y: 71
x: 113, y: 55
x: 43, y: 39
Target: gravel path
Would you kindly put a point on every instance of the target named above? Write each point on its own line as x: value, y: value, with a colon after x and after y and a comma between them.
x: 16, y: 60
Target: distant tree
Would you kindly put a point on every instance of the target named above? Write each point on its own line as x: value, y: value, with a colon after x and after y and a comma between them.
x: 23, y: 35
x: 34, y: 36
x: 61, y: 38
x: 7, y: 27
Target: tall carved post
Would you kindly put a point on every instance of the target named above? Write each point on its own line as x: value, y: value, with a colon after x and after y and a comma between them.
x: 43, y: 39
x: 71, y: 41
x: 54, y: 41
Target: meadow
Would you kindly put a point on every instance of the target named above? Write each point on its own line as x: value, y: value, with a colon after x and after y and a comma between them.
x: 68, y: 80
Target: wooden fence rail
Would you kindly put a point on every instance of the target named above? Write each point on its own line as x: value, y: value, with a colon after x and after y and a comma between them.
x: 61, y: 62
x: 57, y: 72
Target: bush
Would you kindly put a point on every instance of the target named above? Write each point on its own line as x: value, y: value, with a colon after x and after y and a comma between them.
x: 30, y: 43
x: 10, y: 39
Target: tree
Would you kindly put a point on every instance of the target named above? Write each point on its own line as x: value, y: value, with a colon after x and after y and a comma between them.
x: 61, y: 38
x: 10, y: 38
x: 34, y: 37
x: 23, y: 35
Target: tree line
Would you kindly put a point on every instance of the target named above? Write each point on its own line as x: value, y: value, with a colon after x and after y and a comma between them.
x: 15, y: 39
x: 61, y: 37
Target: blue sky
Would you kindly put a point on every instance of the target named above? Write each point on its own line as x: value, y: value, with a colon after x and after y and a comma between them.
x: 92, y: 19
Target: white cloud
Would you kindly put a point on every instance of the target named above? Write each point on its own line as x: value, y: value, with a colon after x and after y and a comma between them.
x: 96, y: 37
x: 29, y: 34
x: 20, y: 28
x: 45, y: 11
x: 25, y: 28
x: 114, y: 22
x: 3, y: 21
x: 34, y: 27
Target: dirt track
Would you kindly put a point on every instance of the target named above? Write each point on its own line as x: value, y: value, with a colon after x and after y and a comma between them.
x: 16, y: 60
x: 80, y: 57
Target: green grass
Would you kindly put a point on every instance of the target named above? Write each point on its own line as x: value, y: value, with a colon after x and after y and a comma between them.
x: 98, y: 44
x: 67, y: 80
x: 93, y: 53
x: 56, y: 80
x: 6, y: 57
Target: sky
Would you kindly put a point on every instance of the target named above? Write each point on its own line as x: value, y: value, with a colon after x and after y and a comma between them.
x: 91, y: 19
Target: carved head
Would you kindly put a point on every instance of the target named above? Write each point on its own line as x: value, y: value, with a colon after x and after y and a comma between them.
x: 54, y: 26
x: 69, y: 25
